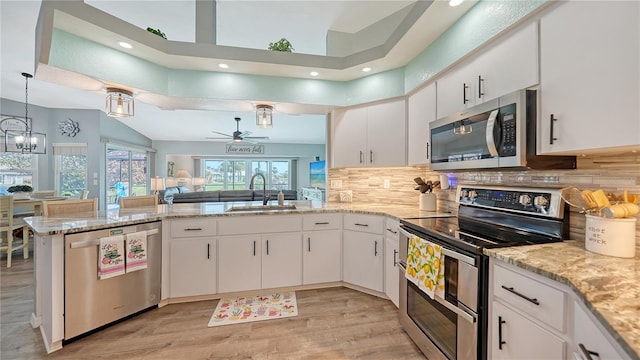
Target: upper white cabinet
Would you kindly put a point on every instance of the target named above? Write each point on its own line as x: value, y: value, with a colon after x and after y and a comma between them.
x: 421, y: 110
x: 506, y: 66
x: 589, y: 71
x: 369, y: 136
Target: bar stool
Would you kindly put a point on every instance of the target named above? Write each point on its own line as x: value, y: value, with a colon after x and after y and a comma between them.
x: 7, y: 224
x: 138, y: 201
x: 63, y: 207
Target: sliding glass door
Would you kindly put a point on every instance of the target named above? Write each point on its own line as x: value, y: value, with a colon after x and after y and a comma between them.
x: 126, y: 174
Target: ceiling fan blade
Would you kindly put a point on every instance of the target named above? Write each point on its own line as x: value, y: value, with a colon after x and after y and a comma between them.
x: 217, y: 138
x: 257, y: 137
x: 245, y: 133
x: 227, y: 135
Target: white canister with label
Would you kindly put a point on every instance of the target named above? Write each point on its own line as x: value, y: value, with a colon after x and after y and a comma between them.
x: 428, y: 202
x: 612, y: 237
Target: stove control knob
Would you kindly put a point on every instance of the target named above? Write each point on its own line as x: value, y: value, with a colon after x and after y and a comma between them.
x: 525, y: 200
x: 473, y: 194
x: 540, y: 201
x: 464, y: 193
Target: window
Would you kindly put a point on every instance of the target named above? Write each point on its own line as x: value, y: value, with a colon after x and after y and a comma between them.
x: 126, y: 173
x: 17, y: 169
x: 221, y: 174
x: 70, y: 169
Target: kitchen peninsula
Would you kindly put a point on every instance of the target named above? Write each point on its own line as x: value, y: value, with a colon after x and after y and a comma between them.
x: 50, y: 233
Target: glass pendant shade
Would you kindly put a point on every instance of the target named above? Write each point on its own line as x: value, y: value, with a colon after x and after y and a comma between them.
x: 264, y: 116
x: 25, y: 141
x: 120, y: 103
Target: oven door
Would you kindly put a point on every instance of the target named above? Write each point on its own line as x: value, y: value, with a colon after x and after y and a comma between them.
x: 443, y: 328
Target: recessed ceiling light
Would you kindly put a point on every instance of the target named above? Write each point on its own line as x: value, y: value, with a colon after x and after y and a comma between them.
x: 125, y: 44
x: 224, y: 66
x: 366, y: 69
x: 314, y: 73
x: 455, y: 2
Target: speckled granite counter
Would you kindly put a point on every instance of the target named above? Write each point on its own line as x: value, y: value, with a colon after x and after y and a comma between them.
x: 608, y: 286
x: 113, y: 218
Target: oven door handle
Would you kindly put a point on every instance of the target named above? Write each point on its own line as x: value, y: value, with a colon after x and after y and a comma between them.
x: 457, y: 310
x: 402, y: 265
x: 450, y: 253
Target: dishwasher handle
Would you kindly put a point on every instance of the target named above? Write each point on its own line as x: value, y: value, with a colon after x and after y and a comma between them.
x: 95, y: 242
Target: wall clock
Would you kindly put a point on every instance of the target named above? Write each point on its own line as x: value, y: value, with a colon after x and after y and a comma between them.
x: 68, y: 127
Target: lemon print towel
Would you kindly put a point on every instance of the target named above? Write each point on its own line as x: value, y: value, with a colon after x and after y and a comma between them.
x: 425, y: 266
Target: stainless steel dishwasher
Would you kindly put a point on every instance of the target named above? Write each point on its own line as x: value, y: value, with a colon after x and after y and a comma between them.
x: 90, y: 303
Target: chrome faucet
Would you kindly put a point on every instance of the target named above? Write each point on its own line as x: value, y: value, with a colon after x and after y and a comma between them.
x: 265, y: 198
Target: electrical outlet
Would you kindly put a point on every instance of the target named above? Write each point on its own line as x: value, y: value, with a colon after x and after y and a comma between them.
x: 387, y: 183
x: 336, y: 184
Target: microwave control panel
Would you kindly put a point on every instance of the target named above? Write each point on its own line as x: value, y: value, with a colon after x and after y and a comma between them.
x: 537, y: 201
x: 508, y: 127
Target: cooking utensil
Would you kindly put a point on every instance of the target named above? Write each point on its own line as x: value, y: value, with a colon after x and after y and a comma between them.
x: 573, y: 196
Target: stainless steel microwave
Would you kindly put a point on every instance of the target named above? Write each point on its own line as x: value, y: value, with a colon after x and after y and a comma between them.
x: 499, y: 133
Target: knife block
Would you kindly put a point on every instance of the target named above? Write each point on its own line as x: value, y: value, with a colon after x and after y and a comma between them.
x: 428, y: 202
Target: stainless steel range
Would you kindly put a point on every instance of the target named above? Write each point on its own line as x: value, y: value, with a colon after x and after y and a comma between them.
x: 454, y: 325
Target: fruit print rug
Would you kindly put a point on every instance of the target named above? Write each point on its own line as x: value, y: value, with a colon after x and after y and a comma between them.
x: 254, y: 308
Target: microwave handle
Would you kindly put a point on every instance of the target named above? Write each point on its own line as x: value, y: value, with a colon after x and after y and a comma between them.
x: 491, y: 142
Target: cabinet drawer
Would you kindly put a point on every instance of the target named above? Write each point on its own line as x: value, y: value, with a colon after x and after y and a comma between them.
x: 193, y: 227
x: 364, y: 223
x: 322, y: 222
x: 538, y: 299
x: 262, y: 224
x: 391, y: 227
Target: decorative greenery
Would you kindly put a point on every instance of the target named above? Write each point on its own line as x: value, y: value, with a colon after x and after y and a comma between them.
x: 426, y: 187
x: 157, y: 32
x: 281, y: 45
x: 20, y: 188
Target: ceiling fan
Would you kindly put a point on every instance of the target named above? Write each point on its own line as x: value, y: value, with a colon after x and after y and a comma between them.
x: 238, y: 136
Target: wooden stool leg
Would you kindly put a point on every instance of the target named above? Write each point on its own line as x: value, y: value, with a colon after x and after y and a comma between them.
x: 25, y: 242
x: 9, y: 247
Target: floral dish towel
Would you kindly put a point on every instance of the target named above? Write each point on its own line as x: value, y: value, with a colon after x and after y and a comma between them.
x: 425, y: 266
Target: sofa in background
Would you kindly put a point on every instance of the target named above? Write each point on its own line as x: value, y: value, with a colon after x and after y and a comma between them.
x: 181, y: 194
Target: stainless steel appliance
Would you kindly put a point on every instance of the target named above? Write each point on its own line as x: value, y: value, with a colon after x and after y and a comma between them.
x: 499, y: 133
x: 90, y: 303
x: 455, y: 326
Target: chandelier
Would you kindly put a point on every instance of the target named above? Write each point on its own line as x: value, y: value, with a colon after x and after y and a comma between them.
x: 19, y: 136
x: 119, y: 103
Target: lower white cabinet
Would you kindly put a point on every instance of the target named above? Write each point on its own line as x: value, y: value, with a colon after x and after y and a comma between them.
x: 192, y: 267
x: 254, y: 262
x: 517, y: 337
x: 362, y: 259
x: 391, y: 273
x: 321, y: 256
x: 590, y: 339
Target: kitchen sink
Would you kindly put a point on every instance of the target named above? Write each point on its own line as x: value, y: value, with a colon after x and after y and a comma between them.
x: 261, y: 208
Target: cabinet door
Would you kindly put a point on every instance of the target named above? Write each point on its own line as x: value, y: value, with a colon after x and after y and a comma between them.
x: 456, y: 90
x: 362, y: 263
x: 348, y: 143
x: 391, y: 273
x: 192, y: 268
x: 589, y: 56
x: 281, y: 260
x: 509, y: 65
x: 321, y: 256
x: 521, y: 338
x: 587, y: 334
x: 239, y: 263
x: 421, y: 110
x: 386, y: 137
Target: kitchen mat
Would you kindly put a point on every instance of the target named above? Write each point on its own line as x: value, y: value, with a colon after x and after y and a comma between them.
x: 254, y: 308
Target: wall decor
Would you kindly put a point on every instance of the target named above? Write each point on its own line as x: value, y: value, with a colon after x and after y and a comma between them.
x: 69, y: 127
x: 170, y: 168
x: 244, y: 149
x: 11, y: 122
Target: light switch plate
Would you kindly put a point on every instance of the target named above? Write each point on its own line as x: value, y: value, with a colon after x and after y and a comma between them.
x: 387, y: 183
x: 336, y: 184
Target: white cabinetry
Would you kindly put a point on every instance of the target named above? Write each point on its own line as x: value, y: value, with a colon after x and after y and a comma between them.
x: 391, y: 272
x: 363, y: 251
x: 589, y: 71
x: 369, y: 136
x: 589, y: 338
x: 259, y: 252
x: 506, y: 66
x: 321, y: 248
x: 192, y: 265
x: 421, y: 110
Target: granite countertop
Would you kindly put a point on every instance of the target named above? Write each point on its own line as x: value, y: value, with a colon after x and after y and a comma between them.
x: 112, y: 218
x: 608, y: 286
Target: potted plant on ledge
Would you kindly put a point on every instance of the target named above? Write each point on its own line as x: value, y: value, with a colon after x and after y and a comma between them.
x: 20, y: 191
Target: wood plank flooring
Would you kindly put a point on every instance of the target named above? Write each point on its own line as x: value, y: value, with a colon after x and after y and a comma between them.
x: 334, y: 323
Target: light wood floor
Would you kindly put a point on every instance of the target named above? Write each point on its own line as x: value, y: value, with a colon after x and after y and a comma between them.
x: 334, y: 323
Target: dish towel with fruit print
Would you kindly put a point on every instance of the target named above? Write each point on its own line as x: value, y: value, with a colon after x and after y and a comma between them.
x: 254, y: 308
x: 425, y: 266
x: 136, y: 247
x: 111, y: 257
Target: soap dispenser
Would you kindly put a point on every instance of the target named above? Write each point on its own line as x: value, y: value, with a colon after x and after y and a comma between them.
x: 280, y: 198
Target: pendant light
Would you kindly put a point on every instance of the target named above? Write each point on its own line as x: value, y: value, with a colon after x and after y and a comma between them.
x: 24, y: 141
x: 119, y: 103
x: 264, y: 116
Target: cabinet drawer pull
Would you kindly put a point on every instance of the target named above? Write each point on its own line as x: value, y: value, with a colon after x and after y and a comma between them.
x: 208, y: 251
x: 254, y: 248
x: 193, y: 229
x: 371, y: 156
x: 587, y: 353
x: 480, y: 83
x: 391, y: 231
x: 395, y: 256
x: 375, y: 248
x: 427, y: 150
x: 510, y: 289
x: 361, y: 160
x: 500, y: 341
x: 552, y: 121
x: 267, y: 247
x: 464, y: 94
x: 358, y: 224
x: 322, y: 223
x: 309, y: 244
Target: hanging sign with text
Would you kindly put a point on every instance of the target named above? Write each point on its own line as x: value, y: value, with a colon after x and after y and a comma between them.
x: 245, y: 149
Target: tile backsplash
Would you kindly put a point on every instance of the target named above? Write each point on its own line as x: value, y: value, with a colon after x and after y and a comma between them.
x: 612, y: 173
